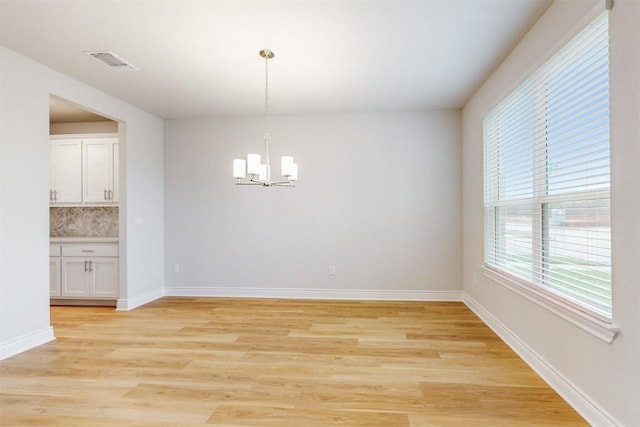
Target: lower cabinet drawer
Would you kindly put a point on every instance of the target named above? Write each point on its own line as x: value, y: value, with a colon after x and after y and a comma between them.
x: 89, y: 249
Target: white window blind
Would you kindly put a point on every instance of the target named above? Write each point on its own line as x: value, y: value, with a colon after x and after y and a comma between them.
x: 546, y: 172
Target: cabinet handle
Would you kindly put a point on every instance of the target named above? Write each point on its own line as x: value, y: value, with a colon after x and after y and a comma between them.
x: 55, y: 195
x: 90, y: 265
x: 110, y: 194
x: 85, y: 265
x: 87, y: 250
x: 105, y: 194
x: 51, y: 195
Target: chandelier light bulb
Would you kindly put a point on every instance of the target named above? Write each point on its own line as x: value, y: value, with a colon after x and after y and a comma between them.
x: 253, y: 164
x: 239, y: 168
x: 286, y: 166
x: 264, y: 172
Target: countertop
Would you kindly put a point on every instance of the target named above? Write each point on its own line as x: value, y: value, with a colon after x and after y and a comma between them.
x: 84, y: 239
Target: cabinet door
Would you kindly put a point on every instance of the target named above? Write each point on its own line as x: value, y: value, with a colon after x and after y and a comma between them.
x: 98, y: 178
x: 76, y: 280
x: 54, y: 276
x: 105, y: 281
x: 66, y: 171
x: 51, y: 171
x: 116, y: 172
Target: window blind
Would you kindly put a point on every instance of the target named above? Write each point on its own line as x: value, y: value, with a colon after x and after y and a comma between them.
x: 546, y: 176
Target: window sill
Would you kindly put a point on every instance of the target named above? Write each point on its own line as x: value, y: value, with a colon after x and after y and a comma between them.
x: 598, y: 328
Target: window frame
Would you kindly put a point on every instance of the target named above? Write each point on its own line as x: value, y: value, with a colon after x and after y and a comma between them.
x: 594, y: 321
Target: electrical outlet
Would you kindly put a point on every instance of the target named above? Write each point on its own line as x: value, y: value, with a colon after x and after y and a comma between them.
x: 176, y: 268
x: 332, y: 270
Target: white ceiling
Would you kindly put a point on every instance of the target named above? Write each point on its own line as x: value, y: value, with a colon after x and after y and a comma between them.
x: 200, y: 57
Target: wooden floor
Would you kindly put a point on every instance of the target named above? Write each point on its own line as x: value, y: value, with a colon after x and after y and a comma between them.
x: 250, y: 362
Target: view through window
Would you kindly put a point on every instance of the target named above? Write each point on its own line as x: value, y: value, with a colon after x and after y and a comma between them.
x: 546, y: 172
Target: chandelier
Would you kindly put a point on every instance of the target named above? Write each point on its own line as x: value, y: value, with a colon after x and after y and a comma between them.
x: 260, y: 173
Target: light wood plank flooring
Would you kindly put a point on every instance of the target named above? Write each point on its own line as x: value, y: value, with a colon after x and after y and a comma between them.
x: 268, y: 362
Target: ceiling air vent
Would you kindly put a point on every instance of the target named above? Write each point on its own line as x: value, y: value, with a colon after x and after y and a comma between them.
x: 111, y: 60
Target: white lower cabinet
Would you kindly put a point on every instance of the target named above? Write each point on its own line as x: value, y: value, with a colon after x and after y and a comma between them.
x: 54, y: 269
x: 54, y: 276
x: 89, y: 277
x: 104, y: 283
x: 86, y: 271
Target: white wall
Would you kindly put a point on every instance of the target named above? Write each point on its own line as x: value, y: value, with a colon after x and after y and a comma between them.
x: 601, y: 380
x: 24, y: 209
x: 83, y: 127
x: 24, y: 225
x: 379, y: 197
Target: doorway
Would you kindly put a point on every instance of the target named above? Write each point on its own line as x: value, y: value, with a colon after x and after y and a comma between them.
x: 84, y: 206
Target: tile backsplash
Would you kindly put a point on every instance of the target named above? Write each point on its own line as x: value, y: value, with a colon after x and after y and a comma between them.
x: 85, y: 221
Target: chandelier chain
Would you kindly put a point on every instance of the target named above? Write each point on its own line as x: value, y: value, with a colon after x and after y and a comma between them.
x: 266, y: 111
x: 266, y: 96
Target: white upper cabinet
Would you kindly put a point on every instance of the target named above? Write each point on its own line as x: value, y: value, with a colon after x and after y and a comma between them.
x: 65, y: 171
x: 98, y: 171
x: 84, y: 171
x: 115, y: 156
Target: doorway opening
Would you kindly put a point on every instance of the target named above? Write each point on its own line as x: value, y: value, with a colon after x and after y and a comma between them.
x: 84, y: 206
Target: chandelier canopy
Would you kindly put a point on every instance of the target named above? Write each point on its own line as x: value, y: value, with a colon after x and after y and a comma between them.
x: 260, y: 173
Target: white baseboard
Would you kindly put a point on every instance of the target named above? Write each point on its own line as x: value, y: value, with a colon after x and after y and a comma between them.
x: 585, y: 406
x: 334, y: 294
x: 26, y: 342
x: 126, y: 304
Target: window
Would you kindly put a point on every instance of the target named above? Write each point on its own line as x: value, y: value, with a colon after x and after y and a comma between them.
x: 546, y: 172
